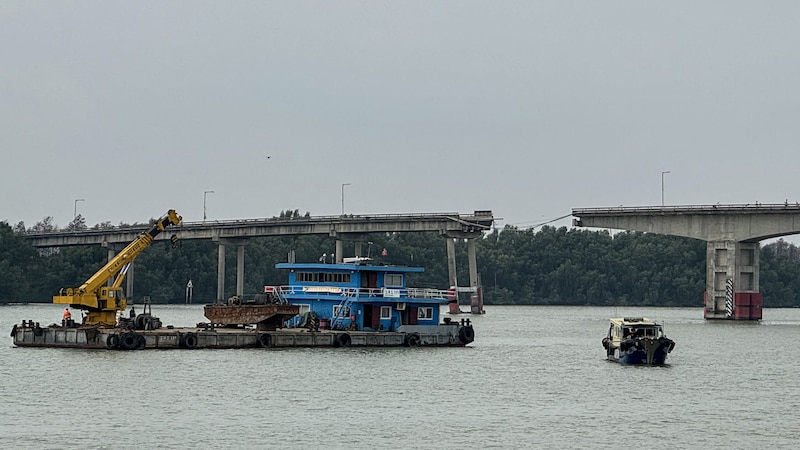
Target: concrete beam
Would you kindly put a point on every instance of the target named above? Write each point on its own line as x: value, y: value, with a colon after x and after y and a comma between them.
x: 740, y: 223
x: 335, y: 226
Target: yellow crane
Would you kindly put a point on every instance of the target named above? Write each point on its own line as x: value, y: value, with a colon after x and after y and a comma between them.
x: 100, y: 300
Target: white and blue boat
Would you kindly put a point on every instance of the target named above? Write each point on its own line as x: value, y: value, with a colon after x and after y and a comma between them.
x: 369, y: 304
x: 637, y: 341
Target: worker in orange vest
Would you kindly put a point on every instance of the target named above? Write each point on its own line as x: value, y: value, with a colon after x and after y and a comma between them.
x: 65, y: 318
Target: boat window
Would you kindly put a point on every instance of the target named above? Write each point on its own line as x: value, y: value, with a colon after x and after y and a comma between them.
x: 345, y: 311
x: 304, y: 308
x: 322, y: 277
x: 386, y: 312
x: 393, y: 280
x: 425, y: 312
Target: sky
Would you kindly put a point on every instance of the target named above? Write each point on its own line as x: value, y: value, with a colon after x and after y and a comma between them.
x: 119, y: 111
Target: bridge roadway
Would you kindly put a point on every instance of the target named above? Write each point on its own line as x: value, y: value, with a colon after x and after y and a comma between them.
x: 347, y: 227
x: 732, y: 234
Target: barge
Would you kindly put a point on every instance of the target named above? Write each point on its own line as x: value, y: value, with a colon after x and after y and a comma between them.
x: 353, y: 303
x: 32, y: 335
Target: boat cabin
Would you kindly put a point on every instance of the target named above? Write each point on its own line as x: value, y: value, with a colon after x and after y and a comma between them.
x: 633, y: 327
x: 358, y: 295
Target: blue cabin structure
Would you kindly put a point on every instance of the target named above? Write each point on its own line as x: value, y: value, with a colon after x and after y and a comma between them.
x: 359, y: 295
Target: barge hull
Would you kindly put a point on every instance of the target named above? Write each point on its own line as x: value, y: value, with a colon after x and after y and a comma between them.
x: 199, y: 338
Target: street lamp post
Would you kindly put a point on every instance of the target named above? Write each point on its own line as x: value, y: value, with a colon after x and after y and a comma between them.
x: 343, y: 185
x: 75, y: 208
x: 205, y: 193
x: 662, y: 186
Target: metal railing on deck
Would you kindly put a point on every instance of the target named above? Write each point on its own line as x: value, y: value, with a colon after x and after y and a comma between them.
x: 335, y: 291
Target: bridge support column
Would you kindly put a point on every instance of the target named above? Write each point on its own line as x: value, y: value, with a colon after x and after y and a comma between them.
x: 732, y: 281
x: 451, y: 272
x: 341, y: 237
x: 240, y: 269
x: 476, y: 296
x: 339, y: 251
x: 220, y: 272
x: 221, y: 243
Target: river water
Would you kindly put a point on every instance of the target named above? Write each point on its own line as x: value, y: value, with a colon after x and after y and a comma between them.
x: 535, y: 377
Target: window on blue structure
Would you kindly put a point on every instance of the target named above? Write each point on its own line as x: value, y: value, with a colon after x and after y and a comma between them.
x: 425, y: 313
x: 393, y: 280
x: 345, y: 311
x: 322, y: 277
x: 386, y: 312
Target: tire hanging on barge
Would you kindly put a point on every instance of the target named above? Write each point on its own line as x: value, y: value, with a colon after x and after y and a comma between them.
x: 112, y: 341
x: 466, y: 334
x: 142, y: 342
x: 129, y: 341
x: 412, y: 340
x: 265, y: 340
x: 343, y: 340
x: 189, y: 340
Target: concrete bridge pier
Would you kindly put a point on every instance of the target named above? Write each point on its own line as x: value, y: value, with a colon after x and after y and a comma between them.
x: 732, y: 234
x: 221, y: 243
x: 356, y: 238
x: 451, y: 273
x: 475, y: 294
x: 732, y: 281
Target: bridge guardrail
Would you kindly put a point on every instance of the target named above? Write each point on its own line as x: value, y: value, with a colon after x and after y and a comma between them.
x: 741, y: 208
x: 468, y: 219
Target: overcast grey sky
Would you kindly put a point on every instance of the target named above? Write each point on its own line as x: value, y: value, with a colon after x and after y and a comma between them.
x: 528, y: 108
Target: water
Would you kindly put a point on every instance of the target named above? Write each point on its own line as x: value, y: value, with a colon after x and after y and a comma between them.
x: 535, y: 377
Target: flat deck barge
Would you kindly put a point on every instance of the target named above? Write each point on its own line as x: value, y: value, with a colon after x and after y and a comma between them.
x: 32, y: 335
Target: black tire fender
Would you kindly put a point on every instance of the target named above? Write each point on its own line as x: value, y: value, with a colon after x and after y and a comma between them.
x: 265, y: 340
x: 413, y: 340
x: 112, y: 341
x: 142, y: 343
x: 466, y: 334
x: 344, y: 340
x: 128, y: 341
x: 189, y: 340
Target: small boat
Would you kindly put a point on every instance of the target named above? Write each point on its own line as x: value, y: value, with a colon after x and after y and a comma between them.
x: 637, y: 340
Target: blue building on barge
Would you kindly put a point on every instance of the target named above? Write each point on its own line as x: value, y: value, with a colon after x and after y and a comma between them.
x: 358, y: 295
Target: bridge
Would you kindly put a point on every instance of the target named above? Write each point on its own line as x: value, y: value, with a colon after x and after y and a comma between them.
x: 732, y: 234
x: 349, y: 227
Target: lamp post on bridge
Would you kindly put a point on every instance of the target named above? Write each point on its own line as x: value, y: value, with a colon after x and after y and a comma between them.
x: 662, y: 186
x: 75, y: 208
x: 205, y: 193
x: 343, y: 185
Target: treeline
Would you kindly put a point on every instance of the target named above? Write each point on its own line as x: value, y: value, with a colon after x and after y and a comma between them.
x: 550, y: 266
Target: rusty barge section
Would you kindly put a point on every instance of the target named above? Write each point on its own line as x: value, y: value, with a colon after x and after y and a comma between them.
x: 31, y: 335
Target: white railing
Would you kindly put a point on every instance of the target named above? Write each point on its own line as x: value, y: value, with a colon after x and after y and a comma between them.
x: 338, y: 292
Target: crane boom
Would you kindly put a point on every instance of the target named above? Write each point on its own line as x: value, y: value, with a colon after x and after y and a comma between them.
x: 101, y: 301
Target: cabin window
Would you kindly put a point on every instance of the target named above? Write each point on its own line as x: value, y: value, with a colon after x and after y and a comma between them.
x: 393, y: 280
x: 425, y: 313
x: 304, y: 308
x: 322, y: 277
x: 345, y: 311
x: 386, y: 312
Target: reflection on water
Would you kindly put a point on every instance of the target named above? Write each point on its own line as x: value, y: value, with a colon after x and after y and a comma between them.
x: 535, y: 377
